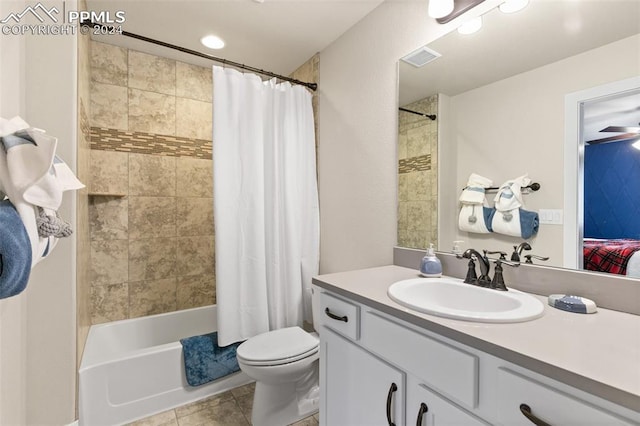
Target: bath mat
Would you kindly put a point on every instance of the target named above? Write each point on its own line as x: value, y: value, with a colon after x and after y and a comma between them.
x: 205, y: 361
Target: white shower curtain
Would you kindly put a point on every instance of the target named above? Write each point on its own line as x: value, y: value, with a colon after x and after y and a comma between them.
x: 265, y: 204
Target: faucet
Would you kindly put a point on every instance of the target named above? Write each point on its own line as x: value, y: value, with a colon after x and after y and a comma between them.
x: 517, y: 251
x: 484, y: 280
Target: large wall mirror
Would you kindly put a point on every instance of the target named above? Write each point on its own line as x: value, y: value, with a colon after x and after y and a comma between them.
x: 499, y: 97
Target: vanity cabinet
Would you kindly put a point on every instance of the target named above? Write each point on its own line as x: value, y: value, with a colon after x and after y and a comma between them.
x: 376, y: 369
x: 358, y: 387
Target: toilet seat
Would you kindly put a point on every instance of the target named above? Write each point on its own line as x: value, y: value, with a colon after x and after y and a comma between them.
x: 278, y: 347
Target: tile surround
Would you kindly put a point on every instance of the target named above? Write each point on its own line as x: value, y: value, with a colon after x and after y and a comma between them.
x: 151, y: 73
x: 417, y: 176
x: 150, y: 128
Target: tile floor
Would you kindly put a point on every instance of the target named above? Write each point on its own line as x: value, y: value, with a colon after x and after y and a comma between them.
x: 231, y: 408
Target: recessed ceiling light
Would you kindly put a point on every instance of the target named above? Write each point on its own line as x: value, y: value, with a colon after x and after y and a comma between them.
x: 471, y: 26
x: 440, y: 8
x: 212, y: 42
x: 511, y: 6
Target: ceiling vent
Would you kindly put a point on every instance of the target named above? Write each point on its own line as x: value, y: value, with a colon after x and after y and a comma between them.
x: 421, y: 57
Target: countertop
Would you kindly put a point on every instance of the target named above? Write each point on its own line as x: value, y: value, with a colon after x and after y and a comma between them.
x: 597, y: 353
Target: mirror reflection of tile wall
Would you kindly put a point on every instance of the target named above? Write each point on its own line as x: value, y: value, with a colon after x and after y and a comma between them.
x: 418, y: 175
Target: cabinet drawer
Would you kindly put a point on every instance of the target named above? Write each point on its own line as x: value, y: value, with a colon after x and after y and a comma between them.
x: 449, y: 370
x: 340, y: 315
x: 546, y: 403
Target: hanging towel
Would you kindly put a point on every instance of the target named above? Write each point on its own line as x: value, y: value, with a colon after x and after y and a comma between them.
x: 31, y: 176
x: 475, y: 218
x: 205, y: 361
x: 15, y: 252
x: 475, y: 215
x: 510, y: 217
x: 517, y: 223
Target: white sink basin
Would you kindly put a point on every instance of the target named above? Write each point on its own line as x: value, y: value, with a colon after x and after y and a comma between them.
x: 452, y: 298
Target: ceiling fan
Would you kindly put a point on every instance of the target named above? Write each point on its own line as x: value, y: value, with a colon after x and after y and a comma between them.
x: 626, y: 133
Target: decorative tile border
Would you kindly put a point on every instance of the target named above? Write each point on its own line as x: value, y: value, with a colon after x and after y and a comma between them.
x: 105, y: 139
x: 415, y: 164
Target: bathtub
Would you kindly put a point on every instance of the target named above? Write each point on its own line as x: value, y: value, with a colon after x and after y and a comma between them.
x: 134, y: 368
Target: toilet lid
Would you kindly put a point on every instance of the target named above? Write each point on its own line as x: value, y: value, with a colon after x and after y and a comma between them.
x: 282, y: 344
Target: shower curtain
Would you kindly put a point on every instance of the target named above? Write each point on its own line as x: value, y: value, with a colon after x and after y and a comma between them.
x: 265, y: 204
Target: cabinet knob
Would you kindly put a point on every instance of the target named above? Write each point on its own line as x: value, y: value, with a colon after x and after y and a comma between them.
x: 526, y: 411
x: 392, y: 390
x: 421, y: 412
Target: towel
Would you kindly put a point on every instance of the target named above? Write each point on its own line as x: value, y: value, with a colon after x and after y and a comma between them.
x: 15, y: 252
x: 205, y: 361
x: 509, y: 196
x: 475, y: 215
x: 31, y: 176
x: 475, y: 218
x: 517, y: 223
x: 473, y: 193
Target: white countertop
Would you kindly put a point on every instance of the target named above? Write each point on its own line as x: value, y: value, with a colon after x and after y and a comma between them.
x: 598, y: 353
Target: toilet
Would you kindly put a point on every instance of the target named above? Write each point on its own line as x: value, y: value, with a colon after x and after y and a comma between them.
x: 284, y: 364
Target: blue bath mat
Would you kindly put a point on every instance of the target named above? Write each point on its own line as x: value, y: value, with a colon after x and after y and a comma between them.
x: 205, y: 361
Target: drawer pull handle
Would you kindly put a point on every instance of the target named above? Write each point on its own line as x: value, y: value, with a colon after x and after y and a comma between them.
x: 526, y: 411
x: 392, y: 389
x: 334, y: 316
x: 421, y: 412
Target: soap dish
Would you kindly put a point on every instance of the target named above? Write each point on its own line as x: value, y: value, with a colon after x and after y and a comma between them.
x: 569, y: 303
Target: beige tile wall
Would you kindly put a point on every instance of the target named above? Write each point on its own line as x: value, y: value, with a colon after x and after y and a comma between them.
x: 152, y: 243
x: 418, y: 176
x: 83, y: 262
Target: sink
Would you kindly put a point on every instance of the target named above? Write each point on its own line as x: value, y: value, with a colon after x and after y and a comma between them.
x: 452, y: 298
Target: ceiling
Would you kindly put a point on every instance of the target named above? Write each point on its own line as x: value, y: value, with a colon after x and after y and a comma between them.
x: 617, y: 111
x: 277, y: 35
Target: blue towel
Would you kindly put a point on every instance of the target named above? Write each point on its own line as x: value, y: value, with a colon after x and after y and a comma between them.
x: 487, y: 213
x: 205, y: 361
x: 15, y: 252
x: 529, y: 223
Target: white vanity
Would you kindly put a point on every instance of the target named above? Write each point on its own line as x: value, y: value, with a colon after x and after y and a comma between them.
x: 384, y: 364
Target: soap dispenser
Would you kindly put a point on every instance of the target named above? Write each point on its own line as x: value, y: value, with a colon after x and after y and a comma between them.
x: 430, y: 266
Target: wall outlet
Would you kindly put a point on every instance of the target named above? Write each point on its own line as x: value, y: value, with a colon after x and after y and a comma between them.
x: 551, y: 216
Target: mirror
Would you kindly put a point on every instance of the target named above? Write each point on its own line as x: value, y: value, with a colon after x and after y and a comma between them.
x: 499, y: 96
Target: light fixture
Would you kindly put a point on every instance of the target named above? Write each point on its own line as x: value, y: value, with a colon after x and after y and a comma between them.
x: 511, y: 6
x: 471, y: 26
x: 212, y: 42
x: 636, y: 144
x: 440, y: 8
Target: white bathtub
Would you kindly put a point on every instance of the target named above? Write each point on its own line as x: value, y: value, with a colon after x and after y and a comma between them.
x: 134, y: 368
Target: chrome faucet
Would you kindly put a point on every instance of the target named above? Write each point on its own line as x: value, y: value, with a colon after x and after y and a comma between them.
x: 484, y: 280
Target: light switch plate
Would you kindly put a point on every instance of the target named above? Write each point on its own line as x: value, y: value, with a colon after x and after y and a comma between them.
x: 551, y: 216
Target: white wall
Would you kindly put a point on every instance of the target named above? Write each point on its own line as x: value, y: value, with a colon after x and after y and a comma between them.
x: 516, y: 126
x: 358, y: 132
x: 37, y: 327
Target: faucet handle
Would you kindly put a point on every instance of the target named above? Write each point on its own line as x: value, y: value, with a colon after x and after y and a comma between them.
x: 503, y: 255
x: 530, y: 256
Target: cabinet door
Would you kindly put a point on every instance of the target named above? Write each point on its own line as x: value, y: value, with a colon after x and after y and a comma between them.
x: 426, y: 408
x: 357, y: 388
x: 525, y: 401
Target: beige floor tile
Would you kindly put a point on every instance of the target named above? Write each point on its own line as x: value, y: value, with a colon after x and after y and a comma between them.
x: 309, y: 421
x: 212, y: 401
x: 224, y: 414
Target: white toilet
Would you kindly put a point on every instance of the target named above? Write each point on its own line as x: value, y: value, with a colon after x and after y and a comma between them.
x: 284, y: 364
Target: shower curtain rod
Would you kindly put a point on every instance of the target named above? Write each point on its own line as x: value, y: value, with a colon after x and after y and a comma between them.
x: 429, y: 116
x: 312, y: 86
